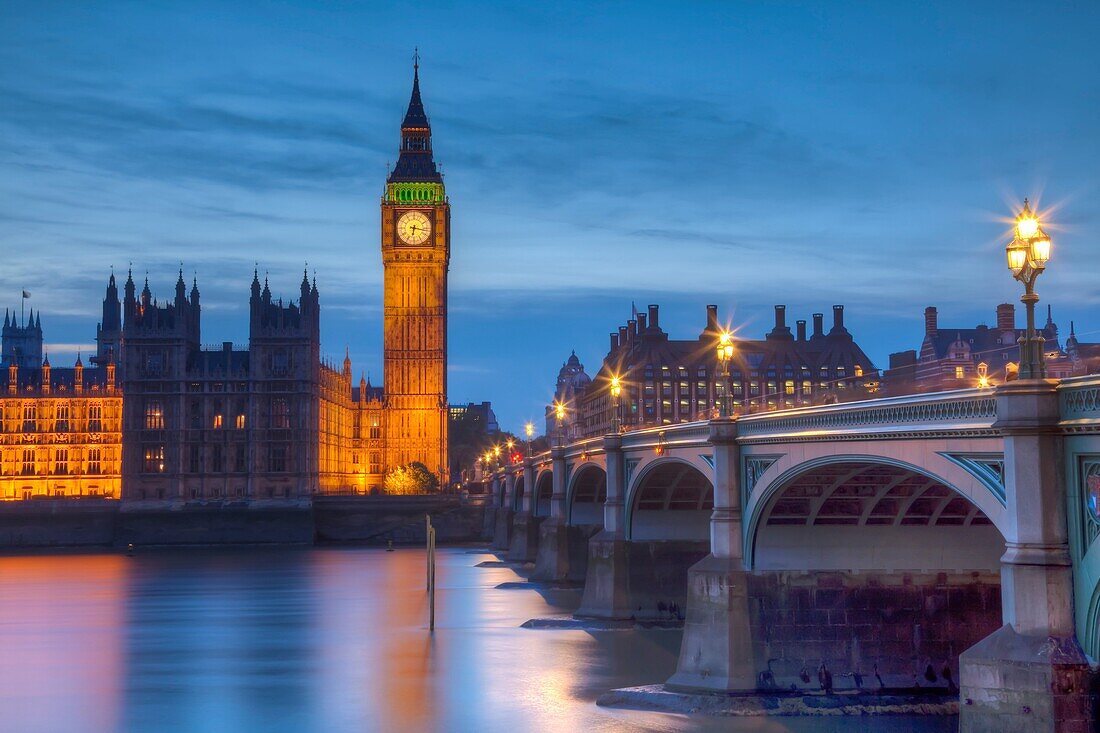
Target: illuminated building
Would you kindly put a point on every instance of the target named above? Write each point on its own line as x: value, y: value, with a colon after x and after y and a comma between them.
x: 416, y: 251
x: 665, y: 381
x: 60, y: 429
x: 269, y: 421
x: 950, y: 357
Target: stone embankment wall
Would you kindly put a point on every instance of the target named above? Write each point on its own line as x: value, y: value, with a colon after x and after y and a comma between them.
x: 378, y: 520
x: 897, y: 630
x: 369, y: 520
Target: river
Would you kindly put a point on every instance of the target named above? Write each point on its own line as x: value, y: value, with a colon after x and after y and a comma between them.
x: 320, y: 640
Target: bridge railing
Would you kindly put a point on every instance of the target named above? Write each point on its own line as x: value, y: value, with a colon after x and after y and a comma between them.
x: 1079, y: 399
x: 966, y: 412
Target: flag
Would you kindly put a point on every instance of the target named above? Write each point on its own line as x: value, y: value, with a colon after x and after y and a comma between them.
x: 26, y: 294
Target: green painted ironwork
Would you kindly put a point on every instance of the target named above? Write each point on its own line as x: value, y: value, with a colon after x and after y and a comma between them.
x: 415, y: 193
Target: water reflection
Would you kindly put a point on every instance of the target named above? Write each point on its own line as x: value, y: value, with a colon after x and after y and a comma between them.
x: 320, y: 640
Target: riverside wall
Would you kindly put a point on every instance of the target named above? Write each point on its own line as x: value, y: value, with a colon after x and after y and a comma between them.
x: 325, y: 520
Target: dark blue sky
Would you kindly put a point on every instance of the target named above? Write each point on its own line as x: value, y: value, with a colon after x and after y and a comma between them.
x: 744, y: 154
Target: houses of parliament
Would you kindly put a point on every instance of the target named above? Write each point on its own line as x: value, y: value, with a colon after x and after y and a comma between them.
x: 155, y: 416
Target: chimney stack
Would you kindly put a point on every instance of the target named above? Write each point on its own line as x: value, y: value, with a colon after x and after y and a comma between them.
x: 641, y: 323
x: 801, y: 327
x: 653, y: 322
x: 632, y: 330
x: 819, y: 328
x: 838, y: 318
x: 1006, y: 317
x: 614, y: 342
x: 931, y: 321
x: 780, y: 317
x: 622, y: 337
x: 712, y: 318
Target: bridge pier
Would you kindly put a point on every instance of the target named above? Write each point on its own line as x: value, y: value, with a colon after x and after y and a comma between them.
x: 552, y: 561
x: 718, y: 653
x: 502, y: 534
x: 607, y: 577
x: 1031, y: 674
x: 525, y: 526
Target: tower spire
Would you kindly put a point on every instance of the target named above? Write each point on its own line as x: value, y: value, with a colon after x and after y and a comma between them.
x: 415, y: 163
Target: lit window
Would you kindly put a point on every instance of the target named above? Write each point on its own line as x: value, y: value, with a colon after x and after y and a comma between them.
x: 62, y: 424
x: 61, y: 461
x: 28, y: 462
x: 94, y: 461
x: 960, y: 372
x: 30, y: 418
x: 154, y: 415
x: 154, y: 459
x: 859, y: 370
x: 95, y: 418
x: 217, y: 422
x: 788, y: 387
x: 240, y: 422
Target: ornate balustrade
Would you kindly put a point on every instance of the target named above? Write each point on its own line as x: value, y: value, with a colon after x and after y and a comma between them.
x: 959, y: 413
x: 1080, y: 404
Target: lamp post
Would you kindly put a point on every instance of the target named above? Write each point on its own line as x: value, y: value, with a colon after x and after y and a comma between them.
x: 725, y: 356
x: 529, y: 431
x: 511, y: 446
x: 616, y: 407
x: 559, y: 415
x: 1028, y: 254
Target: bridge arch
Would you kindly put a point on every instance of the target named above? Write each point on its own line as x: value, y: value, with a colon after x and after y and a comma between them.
x: 867, y: 513
x: 586, y: 494
x: 544, y: 489
x: 671, y: 499
x: 517, y: 493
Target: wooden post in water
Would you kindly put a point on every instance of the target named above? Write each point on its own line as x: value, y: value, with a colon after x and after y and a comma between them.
x: 431, y: 575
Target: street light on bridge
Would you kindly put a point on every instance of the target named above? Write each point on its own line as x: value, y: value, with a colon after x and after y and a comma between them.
x: 616, y: 411
x: 725, y: 356
x: 1028, y: 254
x: 529, y: 431
x: 559, y: 415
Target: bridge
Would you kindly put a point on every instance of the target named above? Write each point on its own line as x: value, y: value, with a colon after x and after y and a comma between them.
x: 945, y: 540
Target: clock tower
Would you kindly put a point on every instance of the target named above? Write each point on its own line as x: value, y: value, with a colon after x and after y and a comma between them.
x: 416, y: 253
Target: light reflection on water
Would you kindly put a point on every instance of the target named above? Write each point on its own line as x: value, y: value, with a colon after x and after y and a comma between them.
x: 320, y: 640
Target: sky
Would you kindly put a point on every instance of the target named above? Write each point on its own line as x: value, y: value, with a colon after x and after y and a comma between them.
x: 596, y: 155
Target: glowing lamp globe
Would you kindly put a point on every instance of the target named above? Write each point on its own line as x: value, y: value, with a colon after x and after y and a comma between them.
x: 1017, y: 256
x: 1040, y: 250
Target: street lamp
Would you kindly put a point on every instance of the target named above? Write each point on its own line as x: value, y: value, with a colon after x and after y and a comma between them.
x: 529, y: 431
x: 559, y: 415
x: 616, y: 411
x: 1028, y: 254
x: 511, y: 445
x: 725, y: 356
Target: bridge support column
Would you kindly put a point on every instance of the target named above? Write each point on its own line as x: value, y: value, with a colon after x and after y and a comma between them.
x: 607, y: 578
x: 717, y: 652
x: 552, y: 562
x: 1031, y: 674
x: 502, y: 536
x: 525, y: 527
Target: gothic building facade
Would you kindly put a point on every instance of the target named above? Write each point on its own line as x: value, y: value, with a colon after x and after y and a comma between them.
x: 60, y: 428
x: 667, y: 381
x: 957, y: 357
x: 160, y: 417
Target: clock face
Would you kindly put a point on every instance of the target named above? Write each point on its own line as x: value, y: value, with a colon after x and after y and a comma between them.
x: 413, y: 227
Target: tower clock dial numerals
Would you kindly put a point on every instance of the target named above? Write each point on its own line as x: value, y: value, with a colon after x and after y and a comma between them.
x: 413, y: 227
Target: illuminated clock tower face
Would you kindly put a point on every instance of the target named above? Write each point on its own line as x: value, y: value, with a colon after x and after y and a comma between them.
x: 413, y: 227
